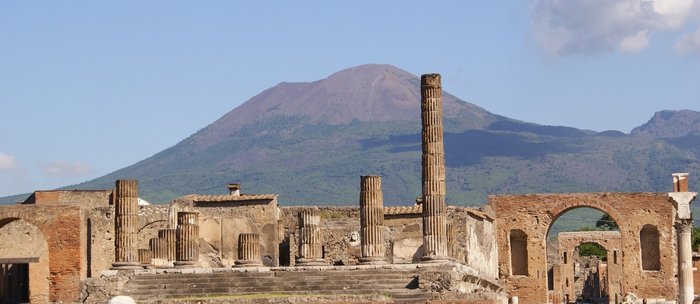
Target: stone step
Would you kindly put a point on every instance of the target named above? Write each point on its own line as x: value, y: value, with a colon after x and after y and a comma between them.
x: 400, y: 294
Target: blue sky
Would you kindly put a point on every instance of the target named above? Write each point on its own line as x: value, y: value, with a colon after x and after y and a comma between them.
x: 88, y: 87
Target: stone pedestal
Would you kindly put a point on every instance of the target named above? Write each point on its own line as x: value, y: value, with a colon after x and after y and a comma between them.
x: 310, y: 242
x: 187, y: 250
x: 169, y: 237
x: 159, y: 252
x: 248, y: 250
x: 434, y: 208
x: 126, y: 223
x: 372, y: 220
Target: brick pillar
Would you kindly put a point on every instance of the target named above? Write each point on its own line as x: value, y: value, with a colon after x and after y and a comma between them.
x: 310, y: 242
x: 126, y: 222
x: 372, y: 220
x: 680, y: 182
x: 248, y: 250
x: 159, y: 251
x: 434, y: 208
x: 187, y: 251
x: 169, y: 237
x: 145, y: 256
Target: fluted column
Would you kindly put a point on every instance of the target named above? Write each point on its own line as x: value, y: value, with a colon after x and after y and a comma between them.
x: 684, y: 228
x: 169, y: 237
x: 310, y: 242
x: 187, y: 251
x: 372, y: 220
x: 159, y: 253
x: 434, y: 208
x: 126, y: 222
x: 248, y: 250
x: 145, y: 256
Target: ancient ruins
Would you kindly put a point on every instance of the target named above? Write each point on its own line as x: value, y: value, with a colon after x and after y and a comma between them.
x: 89, y: 246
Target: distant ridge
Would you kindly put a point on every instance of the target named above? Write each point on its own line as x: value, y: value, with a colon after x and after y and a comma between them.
x: 671, y: 124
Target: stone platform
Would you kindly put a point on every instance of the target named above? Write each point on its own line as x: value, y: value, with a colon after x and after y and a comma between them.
x: 397, y: 283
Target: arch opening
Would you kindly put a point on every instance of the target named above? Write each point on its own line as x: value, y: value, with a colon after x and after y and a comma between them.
x: 578, y: 255
x: 24, y: 260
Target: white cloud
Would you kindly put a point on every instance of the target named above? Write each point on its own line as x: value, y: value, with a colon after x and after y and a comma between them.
x: 635, y: 43
x: 689, y: 44
x: 64, y: 169
x: 564, y: 27
x: 7, y: 162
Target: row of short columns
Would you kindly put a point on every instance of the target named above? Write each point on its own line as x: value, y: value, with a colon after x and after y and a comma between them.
x: 173, y: 247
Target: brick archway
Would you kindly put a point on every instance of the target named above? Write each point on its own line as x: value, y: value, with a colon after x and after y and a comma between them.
x: 535, y: 213
x: 23, y: 244
x: 61, y: 227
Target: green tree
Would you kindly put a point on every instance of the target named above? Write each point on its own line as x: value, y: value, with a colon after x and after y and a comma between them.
x: 591, y: 249
x: 606, y: 222
x: 696, y: 238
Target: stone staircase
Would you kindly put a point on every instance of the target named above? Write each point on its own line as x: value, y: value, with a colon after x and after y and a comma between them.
x: 354, y: 285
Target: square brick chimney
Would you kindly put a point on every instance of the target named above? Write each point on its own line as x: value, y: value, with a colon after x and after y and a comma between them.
x: 680, y: 182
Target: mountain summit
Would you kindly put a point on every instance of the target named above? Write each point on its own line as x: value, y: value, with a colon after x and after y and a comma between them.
x: 671, y: 124
x: 365, y: 93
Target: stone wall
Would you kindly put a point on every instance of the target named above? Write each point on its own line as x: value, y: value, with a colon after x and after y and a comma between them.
x: 402, y: 235
x: 533, y: 214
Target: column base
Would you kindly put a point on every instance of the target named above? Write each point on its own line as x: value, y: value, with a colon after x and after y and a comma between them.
x: 126, y: 266
x: 248, y: 263
x: 185, y: 264
x: 372, y: 261
x: 310, y: 262
x: 434, y: 259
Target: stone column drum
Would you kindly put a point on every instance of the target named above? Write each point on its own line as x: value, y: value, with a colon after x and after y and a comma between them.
x: 187, y: 250
x: 159, y: 253
x: 248, y: 250
x: 145, y: 256
x: 126, y: 222
x: 169, y: 237
x: 434, y: 208
x: 310, y: 242
x: 372, y: 220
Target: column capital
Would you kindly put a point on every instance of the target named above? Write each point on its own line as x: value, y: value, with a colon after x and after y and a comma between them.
x: 682, y: 201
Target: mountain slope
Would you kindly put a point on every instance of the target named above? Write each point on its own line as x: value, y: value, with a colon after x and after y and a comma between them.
x: 310, y: 142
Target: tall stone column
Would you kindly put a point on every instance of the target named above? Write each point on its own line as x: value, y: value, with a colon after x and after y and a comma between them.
x: 126, y: 222
x: 434, y: 208
x: 310, y: 242
x: 684, y: 227
x: 187, y: 251
x: 372, y: 220
x: 160, y: 253
x: 248, y: 250
x: 169, y: 237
